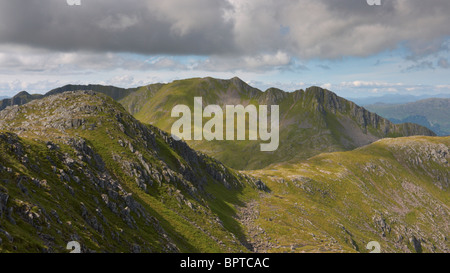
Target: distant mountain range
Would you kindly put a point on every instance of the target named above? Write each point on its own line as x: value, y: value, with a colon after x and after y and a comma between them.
x: 395, y: 99
x: 431, y: 113
x: 312, y: 121
x: 77, y: 166
x: 118, y: 93
x: 19, y: 99
x: 25, y: 97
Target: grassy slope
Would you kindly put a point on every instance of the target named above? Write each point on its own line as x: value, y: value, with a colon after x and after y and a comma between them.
x: 308, y: 125
x: 334, y: 202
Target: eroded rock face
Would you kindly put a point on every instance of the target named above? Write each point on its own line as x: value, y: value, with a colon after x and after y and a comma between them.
x: 3, y: 202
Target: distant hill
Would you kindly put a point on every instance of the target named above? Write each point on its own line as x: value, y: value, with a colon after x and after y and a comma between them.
x: 19, y: 99
x: 116, y: 93
x: 394, y: 99
x: 23, y: 97
x: 431, y: 113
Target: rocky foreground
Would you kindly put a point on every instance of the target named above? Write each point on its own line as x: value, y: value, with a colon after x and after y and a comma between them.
x: 76, y: 166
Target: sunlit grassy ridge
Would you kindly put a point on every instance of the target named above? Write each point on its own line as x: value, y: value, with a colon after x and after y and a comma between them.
x: 394, y: 191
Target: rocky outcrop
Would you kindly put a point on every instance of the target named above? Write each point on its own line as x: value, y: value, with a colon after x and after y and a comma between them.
x: 273, y: 96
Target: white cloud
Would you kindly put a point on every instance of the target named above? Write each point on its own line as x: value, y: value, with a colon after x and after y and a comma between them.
x: 254, y: 63
x: 267, y: 60
x: 11, y: 87
x: 119, y: 22
x: 122, y: 80
x: 443, y: 63
x: 368, y: 84
x: 163, y: 62
x: 186, y: 17
x: 332, y: 29
x: 125, y: 42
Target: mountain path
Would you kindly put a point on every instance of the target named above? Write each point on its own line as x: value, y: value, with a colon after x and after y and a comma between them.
x: 257, y: 240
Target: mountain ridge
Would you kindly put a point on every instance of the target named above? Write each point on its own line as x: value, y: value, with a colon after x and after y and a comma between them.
x: 393, y: 191
x: 395, y: 99
x: 312, y: 121
x: 24, y: 97
x: 19, y: 99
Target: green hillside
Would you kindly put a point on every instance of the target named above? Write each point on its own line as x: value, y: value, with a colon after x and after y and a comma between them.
x: 311, y: 121
x: 394, y: 191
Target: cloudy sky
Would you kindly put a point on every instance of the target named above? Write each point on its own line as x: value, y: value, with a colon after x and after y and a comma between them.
x: 347, y: 46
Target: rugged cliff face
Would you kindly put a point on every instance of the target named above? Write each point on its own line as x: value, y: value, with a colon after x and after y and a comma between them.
x: 77, y: 167
x: 329, y: 101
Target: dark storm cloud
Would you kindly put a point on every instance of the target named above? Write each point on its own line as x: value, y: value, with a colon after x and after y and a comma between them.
x: 325, y: 29
x: 169, y: 27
